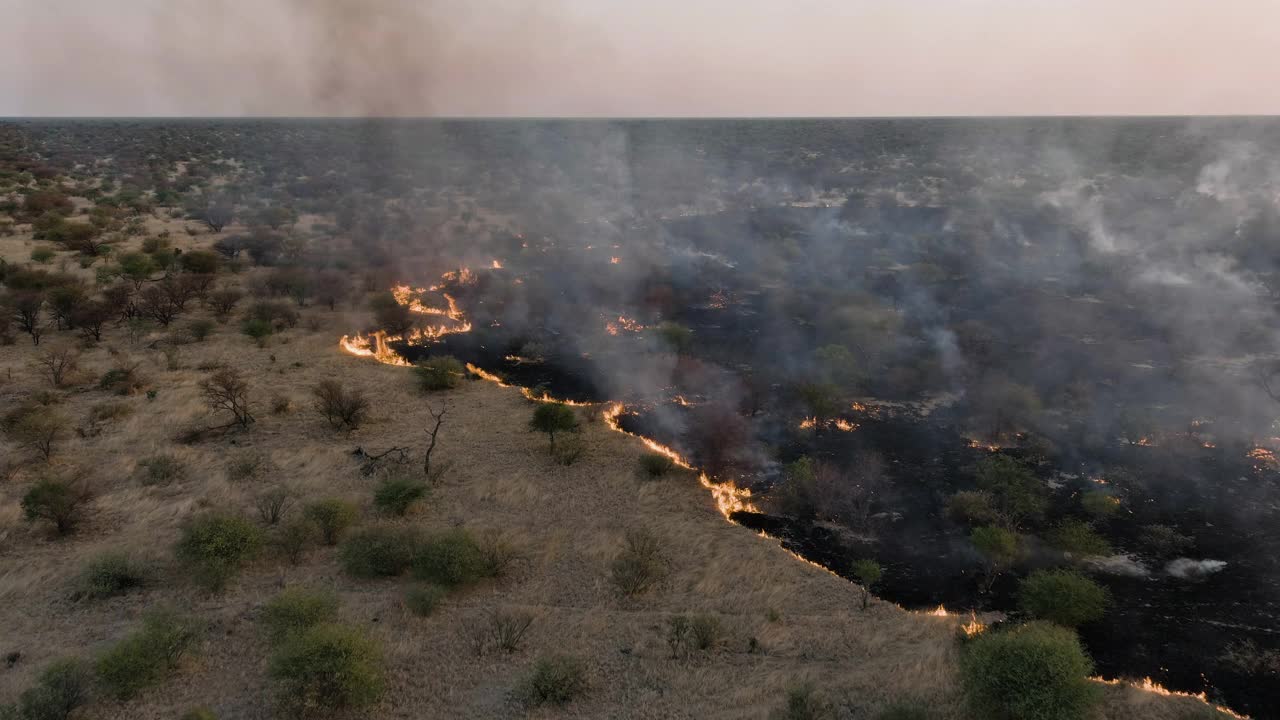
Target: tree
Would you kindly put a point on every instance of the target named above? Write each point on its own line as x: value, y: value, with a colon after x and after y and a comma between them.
x: 157, y: 304
x: 137, y: 267
x: 26, y: 306
x: 90, y: 317
x: 331, y: 288
x: 433, y: 434
x: 277, y: 216
x: 217, y: 213
x: 57, y: 362
x: 999, y: 550
x: 1015, y: 492
x: 40, y: 430
x: 226, y: 390
x: 390, y: 315
x: 223, y: 301
x: 63, y: 301
x: 340, y: 407
x: 552, y: 418
x: 1064, y: 597
x: 257, y: 329
x: 1036, y: 671
x: 1078, y: 538
x: 60, y: 502
x: 868, y: 572
x: 441, y: 372
x: 201, y: 262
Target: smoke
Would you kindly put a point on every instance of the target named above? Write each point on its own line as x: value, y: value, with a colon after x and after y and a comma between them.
x: 1188, y: 569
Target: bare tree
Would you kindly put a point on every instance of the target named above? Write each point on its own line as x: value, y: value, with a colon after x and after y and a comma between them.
x: 57, y: 362
x: 158, y: 305
x: 227, y: 390
x: 41, y: 430
x: 433, y: 433
x: 223, y: 301
x: 341, y: 407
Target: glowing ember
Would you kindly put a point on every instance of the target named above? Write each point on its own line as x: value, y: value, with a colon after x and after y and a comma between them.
x: 1145, y: 441
x: 615, y: 260
x: 840, y: 424
x: 1263, y: 459
x: 623, y: 323
x: 984, y: 446
x: 497, y: 265
x: 681, y: 401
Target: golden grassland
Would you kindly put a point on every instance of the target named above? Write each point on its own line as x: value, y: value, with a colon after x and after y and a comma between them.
x: 567, y: 522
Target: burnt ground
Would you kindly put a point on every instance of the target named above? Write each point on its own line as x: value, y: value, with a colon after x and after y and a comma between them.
x: 1214, y: 634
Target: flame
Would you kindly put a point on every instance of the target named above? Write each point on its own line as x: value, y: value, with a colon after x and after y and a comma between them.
x: 985, y: 446
x: 1263, y: 459
x: 1148, y: 685
x: 615, y: 260
x: 623, y: 323
x: 377, y: 348
x: 729, y: 497
x: 546, y: 397
x: 811, y: 423
x: 940, y: 612
x: 483, y: 375
x: 497, y: 265
x: 974, y: 626
x: 1145, y: 441
x: 681, y: 401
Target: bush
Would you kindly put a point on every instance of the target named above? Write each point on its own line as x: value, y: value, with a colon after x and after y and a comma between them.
x: 1099, y: 504
x: 552, y: 418
x: 296, y: 610
x: 972, y: 507
x: 42, y: 254
x: 148, y: 656
x: 378, y: 552
x: 245, y: 467
x: 161, y: 470
x: 199, y: 714
x: 803, y: 703
x: 333, y: 517
x: 555, y: 680
x: 640, y: 565
x: 705, y: 632
x: 215, y: 546
x: 342, y: 408
x: 110, y: 574
x: 442, y: 372
x: 508, y: 627
x: 1078, y: 538
x: 868, y: 573
x: 257, y: 329
x: 450, y: 559
x: 423, y: 600
x: 328, y: 667
x: 62, y: 686
x: 292, y: 538
x: 200, y: 329
x: 273, y: 503
x: 1036, y: 671
x: 1063, y: 596
x: 655, y: 465
x: 395, y: 494
x: 58, y: 501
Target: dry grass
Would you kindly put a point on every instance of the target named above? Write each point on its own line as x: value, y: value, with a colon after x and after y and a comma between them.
x: 568, y: 522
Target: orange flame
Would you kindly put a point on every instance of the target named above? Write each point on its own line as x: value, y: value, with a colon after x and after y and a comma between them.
x: 615, y: 260
x: 497, y: 265
x: 1151, y: 686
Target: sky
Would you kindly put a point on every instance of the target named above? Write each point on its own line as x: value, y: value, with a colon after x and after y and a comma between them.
x: 633, y: 58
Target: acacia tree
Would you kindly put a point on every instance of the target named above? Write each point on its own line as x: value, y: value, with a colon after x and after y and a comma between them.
x: 552, y: 418
x: 433, y: 434
x: 89, y: 319
x: 57, y: 362
x: 999, y: 550
x: 226, y: 390
x: 26, y: 306
x: 158, y: 305
x: 868, y: 572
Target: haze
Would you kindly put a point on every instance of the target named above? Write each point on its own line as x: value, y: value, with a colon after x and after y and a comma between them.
x: 658, y: 58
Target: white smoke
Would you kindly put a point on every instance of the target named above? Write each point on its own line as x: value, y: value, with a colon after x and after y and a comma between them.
x: 1188, y: 569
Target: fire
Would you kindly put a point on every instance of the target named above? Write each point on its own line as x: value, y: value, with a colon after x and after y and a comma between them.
x: 976, y: 444
x: 483, y: 375
x: 615, y: 260
x: 729, y: 497
x: 1263, y: 459
x: 974, y: 626
x: 811, y: 423
x: 940, y: 612
x: 623, y: 323
x: 1151, y: 686
x: 681, y: 401
x: 497, y: 265
x: 1145, y: 441
x: 377, y: 348
x: 546, y: 397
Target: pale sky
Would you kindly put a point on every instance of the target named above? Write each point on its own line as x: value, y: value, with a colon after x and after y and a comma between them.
x: 639, y: 57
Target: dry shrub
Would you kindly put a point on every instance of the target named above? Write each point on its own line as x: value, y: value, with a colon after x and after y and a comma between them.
x: 640, y: 566
x: 342, y: 408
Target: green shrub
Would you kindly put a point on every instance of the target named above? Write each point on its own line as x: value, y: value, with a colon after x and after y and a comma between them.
x: 333, y: 517
x: 61, y: 687
x: 705, y: 631
x: 395, y: 494
x: 868, y: 572
x: 215, y: 546
x: 450, y: 559
x: 57, y: 501
x: 148, y: 656
x: 972, y: 507
x: 199, y: 714
x: 42, y: 254
x: 297, y: 609
x: 555, y: 680
x: 378, y: 552
x: 1078, y: 538
x: 291, y: 538
x: 803, y: 703
x: 442, y: 372
x: 328, y: 667
x: 422, y: 600
x: 110, y: 574
x: 1100, y: 504
x: 552, y: 418
x: 1063, y: 596
x: 161, y: 470
x: 655, y: 465
x: 1036, y: 671
x: 201, y: 329
x: 257, y: 329
x: 641, y: 564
